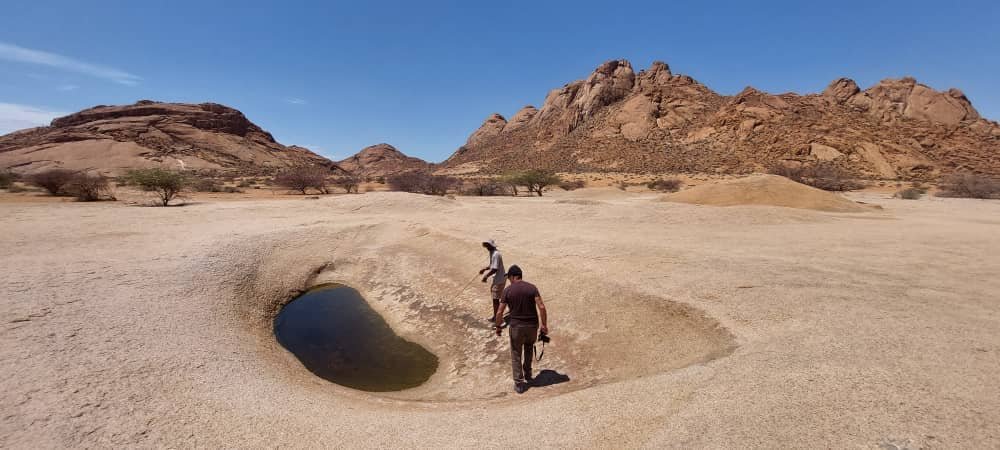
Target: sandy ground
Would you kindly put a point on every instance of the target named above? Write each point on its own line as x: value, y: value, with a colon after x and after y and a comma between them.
x: 679, y: 325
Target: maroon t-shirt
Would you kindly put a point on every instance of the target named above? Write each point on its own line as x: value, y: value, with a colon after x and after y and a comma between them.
x: 520, y: 299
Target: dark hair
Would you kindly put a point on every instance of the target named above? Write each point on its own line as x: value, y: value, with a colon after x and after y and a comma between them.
x: 514, y: 271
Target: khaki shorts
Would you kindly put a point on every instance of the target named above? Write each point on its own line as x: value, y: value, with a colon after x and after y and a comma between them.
x: 496, y: 290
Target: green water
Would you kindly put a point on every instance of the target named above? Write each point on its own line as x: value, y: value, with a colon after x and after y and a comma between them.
x: 338, y: 337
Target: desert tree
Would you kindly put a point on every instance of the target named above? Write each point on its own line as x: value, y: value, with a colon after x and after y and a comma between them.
x: 567, y: 185
x: 302, y: 178
x: 822, y: 175
x: 348, y: 183
x: 485, y: 187
x: 7, y: 179
x: 89, y: 187
x: 968, y: 185
x: 421, y: 183
x: 167, y: 184
x: 534, y: 180
x: 54, y: 181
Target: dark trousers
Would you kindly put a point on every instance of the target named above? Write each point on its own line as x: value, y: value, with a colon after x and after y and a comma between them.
x: 522, y: 350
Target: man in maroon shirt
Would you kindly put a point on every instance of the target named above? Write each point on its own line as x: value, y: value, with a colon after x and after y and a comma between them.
x: 526, y: 310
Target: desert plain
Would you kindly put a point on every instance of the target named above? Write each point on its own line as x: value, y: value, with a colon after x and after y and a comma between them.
x: 679, y: 325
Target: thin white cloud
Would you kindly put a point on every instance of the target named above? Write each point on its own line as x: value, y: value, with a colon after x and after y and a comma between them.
x: 295, y: 101
x: 67, y: 87
x: 12, y: 52
x: 15, y: 117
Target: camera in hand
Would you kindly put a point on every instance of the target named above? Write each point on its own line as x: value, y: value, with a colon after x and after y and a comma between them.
x: 544, y: 338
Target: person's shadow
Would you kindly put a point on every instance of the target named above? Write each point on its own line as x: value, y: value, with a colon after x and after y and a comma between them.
x: 548, y: 378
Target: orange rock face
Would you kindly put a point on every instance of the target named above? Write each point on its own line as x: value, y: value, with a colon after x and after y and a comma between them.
x: 111, y: 139
x: 658, y: 121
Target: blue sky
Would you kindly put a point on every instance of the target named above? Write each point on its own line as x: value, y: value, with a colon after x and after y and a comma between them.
x: 338, y: 76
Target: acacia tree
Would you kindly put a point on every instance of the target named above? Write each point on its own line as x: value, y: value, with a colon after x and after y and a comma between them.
x: 167, y: 184
x: 422, y: 183
x: 301, y: 178
x: 535, y: 180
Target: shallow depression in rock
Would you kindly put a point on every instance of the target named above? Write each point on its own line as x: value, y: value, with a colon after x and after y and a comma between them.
x: 339, y: 337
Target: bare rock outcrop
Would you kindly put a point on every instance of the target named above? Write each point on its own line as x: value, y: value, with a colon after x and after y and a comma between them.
x: 111, y: 139
x: 492, y: 126
x: 657, y: 121
x: 893, y: 99
x: 381, y: 160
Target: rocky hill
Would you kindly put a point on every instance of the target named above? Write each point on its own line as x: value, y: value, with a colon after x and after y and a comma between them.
x: 110, y: 139
x: 381, y: 160
x: 658, y: 121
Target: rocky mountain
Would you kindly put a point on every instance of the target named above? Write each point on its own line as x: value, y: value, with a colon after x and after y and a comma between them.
x: 658, y: 121
x: 381, y: 160
x: 111, y: 139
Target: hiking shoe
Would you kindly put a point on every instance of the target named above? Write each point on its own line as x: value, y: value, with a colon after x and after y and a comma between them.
x: 520, y: 387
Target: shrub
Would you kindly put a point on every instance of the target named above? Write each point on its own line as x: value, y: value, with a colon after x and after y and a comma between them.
x: 7, y: 179
x: 407, y: 182
x: 349, y: 183
x: 622, y: 185
x: 967, y: 185
x: 89, y: 188
x: 823, y: 175
x: 167, y: 184
x: 440, y: 184
x: 485, y: 187
x: 421, y: 183
x: 535, y: 180
x: 54, y: 181
x: 246, y: 183
x: 206, y: 185
x: 665, y: 184
x: 572, y: 185
x: 302, y: 178
x: 231, y: 189
x: 909, y: 194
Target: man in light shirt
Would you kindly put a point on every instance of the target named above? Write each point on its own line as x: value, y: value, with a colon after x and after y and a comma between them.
x: 495, y: 269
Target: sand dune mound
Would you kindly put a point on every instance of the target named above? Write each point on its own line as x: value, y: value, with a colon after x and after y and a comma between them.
x: 770, y: 190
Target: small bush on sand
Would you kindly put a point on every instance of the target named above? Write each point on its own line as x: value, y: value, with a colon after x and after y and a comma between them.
x: 54, y: 181
x: 167, y: 184
x: 823, y: 175
x: 967, y: 185
x: 90, y: 188
x: 665, y: 184
x: 303, y: 178
x: 909, y: 194
x: 534, y: 180
x: 572, y: 185
x: 246, y: 183
x: 348, y: 183
x: 622, y: 186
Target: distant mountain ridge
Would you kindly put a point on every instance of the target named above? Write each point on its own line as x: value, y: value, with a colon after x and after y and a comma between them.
x: 111, y: 139
x: 657, y: 121
x: 382, y: 160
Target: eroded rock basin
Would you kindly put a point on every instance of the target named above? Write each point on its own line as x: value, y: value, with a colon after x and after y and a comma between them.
x: 338, y: 337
